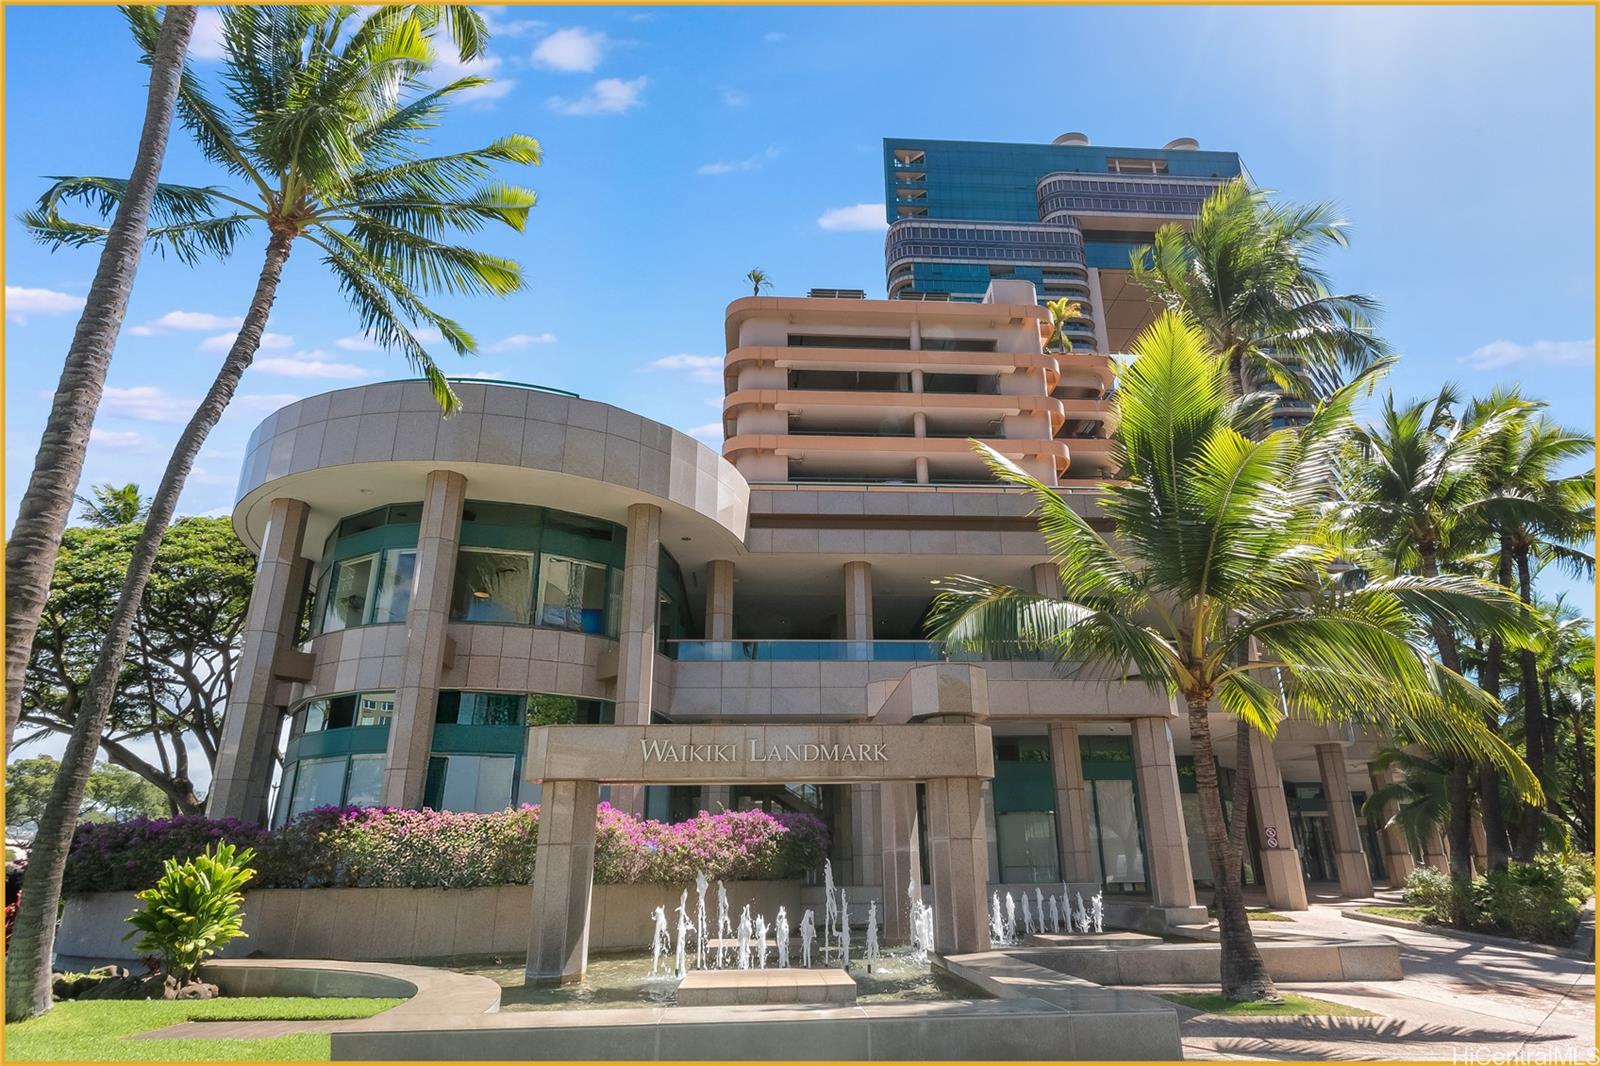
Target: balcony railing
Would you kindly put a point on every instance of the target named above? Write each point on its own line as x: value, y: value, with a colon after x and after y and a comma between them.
x: 844, y: 651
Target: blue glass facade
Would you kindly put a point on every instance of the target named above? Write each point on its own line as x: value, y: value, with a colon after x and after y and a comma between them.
x: 1034, y: 198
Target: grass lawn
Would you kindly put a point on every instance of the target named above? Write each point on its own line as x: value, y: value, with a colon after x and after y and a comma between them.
x: 1404, y: 914
x: 1292, y: 1005
x: 97, y: 1029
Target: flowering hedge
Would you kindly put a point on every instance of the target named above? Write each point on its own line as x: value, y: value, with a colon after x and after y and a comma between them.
x: 388, y: 847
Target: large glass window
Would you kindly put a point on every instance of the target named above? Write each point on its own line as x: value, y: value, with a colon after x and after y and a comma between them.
x: 480, y: 708
x: 365, y: 786
x: 317, y: 783
x: 492, y: 586
x: 482, y: 783
x: 572, y: 594
x: 349, y: 592
x: 397, y: 583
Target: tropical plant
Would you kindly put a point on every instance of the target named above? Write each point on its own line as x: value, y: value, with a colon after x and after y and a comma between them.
x: 1411, y: 482
x: 758, y: 280
x: 1215, y: 587
x: 1247, y: 272
x: 1420, y: 795
x: 1567, y: 679
x: 1536, y: 514
x: 193, y: 911
x: 46, y: 503
x: 113, y: 505
x: 326, y: 108
x: 1061, y: 311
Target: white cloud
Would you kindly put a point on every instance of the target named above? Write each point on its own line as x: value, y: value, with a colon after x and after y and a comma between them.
x: 709, y: 434
x: 500, y: 26
x: 362, y: 343
x: 312, y: 364
x: 206, y: 41
x: 117, y: 438
x: 1498, y: 354
x: 223, y: 341
x: 734, y: 98
x: 481, y: 375
x: 855, y: 218
x: 773, y: 37
x: 573, y: 49
x: 22, y: 302
x: 520, y: 340
x: 145, y: 403
x: 699, y: 367
x: 449, y: 66
x: 737, y: 166
x: 179, y: 320
x: 608, y: 96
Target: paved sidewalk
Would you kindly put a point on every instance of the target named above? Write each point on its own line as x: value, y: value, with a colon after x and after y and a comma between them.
x: 1459, y: 999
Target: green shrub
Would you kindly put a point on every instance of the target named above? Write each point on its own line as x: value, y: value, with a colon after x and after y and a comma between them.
x: 193, y: 910
x: 1537, y: 900
x: 1431, y: 890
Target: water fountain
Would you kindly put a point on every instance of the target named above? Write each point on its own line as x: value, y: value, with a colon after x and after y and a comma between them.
x: 1097, y: 911
x: 1082, y: 916
x: 680, y: 961
x: 761, y: 942
x: 724, y: 927
x: 1055, y: 916
x: 924, y: 925
x: 1011, y: 919
x: 997, y: 925
x: 700, y: 886
x: 844, y: 930
x: 872, y: 933
x: 783, y: 939
x: 1066, y: 907
x: 830, y: 908
x: 1038, y: 896
x: 808, y: 933
x: 1027, y: 916
x: 660, y: 942
x: 745, y: 931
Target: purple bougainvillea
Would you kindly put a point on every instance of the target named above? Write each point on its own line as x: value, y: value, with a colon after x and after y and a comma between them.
x: 388, y: 847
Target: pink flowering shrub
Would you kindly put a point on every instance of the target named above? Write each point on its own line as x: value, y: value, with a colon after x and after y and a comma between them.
x: 387, y: 847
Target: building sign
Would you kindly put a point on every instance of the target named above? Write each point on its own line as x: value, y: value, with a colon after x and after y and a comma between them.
x: 754, y: 750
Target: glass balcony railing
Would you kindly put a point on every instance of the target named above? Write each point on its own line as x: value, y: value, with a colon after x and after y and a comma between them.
x: 844, y: 651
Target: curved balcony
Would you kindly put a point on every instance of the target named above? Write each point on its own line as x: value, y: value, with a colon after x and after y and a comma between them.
x: 865, y: 404
x: 798, y: 444
x: 899, y: 359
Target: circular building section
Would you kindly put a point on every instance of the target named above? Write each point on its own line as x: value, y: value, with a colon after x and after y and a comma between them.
x: 429, y: 587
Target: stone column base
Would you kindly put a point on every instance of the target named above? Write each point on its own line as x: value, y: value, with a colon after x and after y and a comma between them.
x: 1355, y: 878
x: 1284, y: 879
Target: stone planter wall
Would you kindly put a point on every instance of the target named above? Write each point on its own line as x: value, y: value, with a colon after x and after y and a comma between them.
x: 374, y: 924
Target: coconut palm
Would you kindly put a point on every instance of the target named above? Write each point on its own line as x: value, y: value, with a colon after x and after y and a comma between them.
x: 758, y: 281
x: 1421, y: 795
x: 1536, y: 515
x: 1062, y: 311
x: 1247, y: 272
x: 1413, y: 482
x: 113, y: 505
x: 325, y: 109
x: 1215, y: 588
x: 46, y: 503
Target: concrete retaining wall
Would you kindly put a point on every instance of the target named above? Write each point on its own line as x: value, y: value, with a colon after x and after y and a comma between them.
x: 403, y: 923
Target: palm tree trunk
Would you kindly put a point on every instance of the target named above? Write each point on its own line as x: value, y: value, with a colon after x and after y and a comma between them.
x: 1489, y: 799
x: 32, y: 948
x: 1458, y: 831
x: 1244, y: 974
x: 1528, y: 832
x: 47, y: 502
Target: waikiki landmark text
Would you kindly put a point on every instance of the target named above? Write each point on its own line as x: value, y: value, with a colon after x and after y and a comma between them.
x: 662, y: 751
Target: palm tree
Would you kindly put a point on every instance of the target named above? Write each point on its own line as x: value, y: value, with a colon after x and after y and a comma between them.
x: 758, y: 280
x: 1411, y: 483
x: 1421, y: 795
x: 1062, y: 311
x: 326, y: 108
x: 1215, y: 588
x: 1247, y: 272
x: 1536, y: 515
x: 1567, y: 675
x: 111, y: 505
x: 46, y: 503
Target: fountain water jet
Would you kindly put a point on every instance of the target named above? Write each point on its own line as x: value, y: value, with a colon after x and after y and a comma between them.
x: 761, y: 941
x: 872, y: 933
x: 745, y: 929
x: 844, y: 930
x: 700, y: 886
x: 1011, y: 919
x: 997, y: 925
x: 1055, y: 915
x: 783, y: 939
x: 724, y: 927
x: 1082, y: 916
x: 1097, y: 912
x: 1027, y: 916
x: 808, y: 933
x: 830, y: 913
x: 680, y: 960
x: 660, y: 942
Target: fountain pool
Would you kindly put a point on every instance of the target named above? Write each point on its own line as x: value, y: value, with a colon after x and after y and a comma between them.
x: 623, y: 980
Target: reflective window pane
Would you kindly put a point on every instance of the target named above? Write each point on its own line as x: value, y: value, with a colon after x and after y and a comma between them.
x: 348, y: 593
x: 572, y: 594
x: 317, y: 783
x: 396, y: 585
x: 492, y: 586
x: 481, y: 783
x: 366, y: 781
x: 374, y: 708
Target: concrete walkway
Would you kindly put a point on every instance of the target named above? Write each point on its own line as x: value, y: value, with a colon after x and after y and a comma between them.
x: 1460, y: 999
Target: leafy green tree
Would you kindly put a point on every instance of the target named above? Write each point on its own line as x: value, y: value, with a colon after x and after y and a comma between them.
x: 113, y: 505
x: 325, y: 109
x: 1216, y: 587
x: 193, y: 911
x: 1247, y: 272
x: 114, y: 794
x: 185, y: 645
x: 46, y: 503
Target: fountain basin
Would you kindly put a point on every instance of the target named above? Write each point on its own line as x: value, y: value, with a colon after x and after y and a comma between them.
x: 723, y: 988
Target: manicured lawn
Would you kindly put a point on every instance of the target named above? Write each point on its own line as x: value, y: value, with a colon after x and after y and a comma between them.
x: 1404, y: 914
x: 1292, y: 1005
x: 97, y: 1029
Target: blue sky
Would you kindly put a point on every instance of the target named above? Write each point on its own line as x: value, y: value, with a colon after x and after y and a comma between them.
x: 684, y: 146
